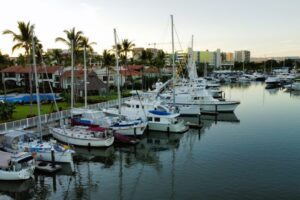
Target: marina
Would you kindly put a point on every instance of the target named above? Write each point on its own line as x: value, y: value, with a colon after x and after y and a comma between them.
x: 115, y: 100
x: 256, y: 144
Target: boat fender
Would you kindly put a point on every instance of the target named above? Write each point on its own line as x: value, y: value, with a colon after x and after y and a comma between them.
x: 33, y: 154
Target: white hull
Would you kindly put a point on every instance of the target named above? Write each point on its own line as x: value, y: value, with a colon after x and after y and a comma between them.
x: 17, y: 175
x: 135, y: 130
x: 219, y: 107
x: 173, y: 128
x: 189, y: 109
x: 61, y: 157
x: 96, y: 142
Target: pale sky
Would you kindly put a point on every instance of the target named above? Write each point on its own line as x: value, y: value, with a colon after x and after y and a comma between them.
x: 265, y: 27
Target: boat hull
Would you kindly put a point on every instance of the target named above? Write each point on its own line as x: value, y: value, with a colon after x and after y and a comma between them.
x: 81, y: 142
x: 179, y: 127
x: 17, y: 175
x: 219, y: 107
x: 61, y: 157
x: 135, y: 130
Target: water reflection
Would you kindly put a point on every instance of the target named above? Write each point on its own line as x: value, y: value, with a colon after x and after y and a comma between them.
x: 17, y: 189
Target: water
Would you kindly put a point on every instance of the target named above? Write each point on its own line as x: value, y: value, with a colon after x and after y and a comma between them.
x: 252, y: 154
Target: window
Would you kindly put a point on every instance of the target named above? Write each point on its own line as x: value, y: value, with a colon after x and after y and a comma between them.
x: 137, y: 106
x: 149, y: 119
x: 156, y: 119
x: 104, y: 78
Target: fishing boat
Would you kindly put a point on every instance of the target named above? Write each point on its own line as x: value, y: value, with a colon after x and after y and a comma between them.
x: 205, y: 102
x: 15, y: 167
x: 159, y: 117
x: 272, y: 82
x: 84, y: 136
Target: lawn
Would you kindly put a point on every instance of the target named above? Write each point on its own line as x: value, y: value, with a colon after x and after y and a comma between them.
x: 22, y: 111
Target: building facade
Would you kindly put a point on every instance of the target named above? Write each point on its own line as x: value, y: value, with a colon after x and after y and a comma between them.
x: 242, y: 56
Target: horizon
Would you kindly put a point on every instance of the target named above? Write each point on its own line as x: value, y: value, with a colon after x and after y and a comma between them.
x: 229, y: 26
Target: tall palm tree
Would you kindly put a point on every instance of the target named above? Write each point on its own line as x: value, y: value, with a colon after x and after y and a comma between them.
x: 84, y: 42
x: 72, y: 36
x: 127, y: 46
x: 107, y: 60
x: 23, y: 40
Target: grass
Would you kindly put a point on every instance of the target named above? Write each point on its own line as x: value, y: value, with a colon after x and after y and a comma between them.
x: 22, y: 111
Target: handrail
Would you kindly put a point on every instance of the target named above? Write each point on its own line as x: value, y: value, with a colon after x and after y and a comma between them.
x: 51, y: 117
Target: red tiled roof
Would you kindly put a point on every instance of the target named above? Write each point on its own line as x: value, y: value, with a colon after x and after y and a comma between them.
x: 151, y: 70
x: 26, y: 70
x: 130, y: 73
x: 77, y: 74
x: 133, y: 67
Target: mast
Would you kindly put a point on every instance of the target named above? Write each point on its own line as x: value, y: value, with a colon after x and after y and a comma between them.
x: 72, y: 75
x: 173, y: 60
x: 118, y: 71
x: 85, y: 78
x: 37, y: 88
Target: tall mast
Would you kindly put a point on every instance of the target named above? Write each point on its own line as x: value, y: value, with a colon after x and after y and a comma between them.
x: 37, y: 88
x: 118, y: 71
x: 173, y: 60
x: 85, y: 78
x: 72, y: 74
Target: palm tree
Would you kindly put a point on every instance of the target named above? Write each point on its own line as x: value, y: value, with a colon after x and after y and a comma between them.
x: 23, y: 40
x: 72, y: 36
x: 127, y: 47
x: 107, y: 60
x: 84, y: 42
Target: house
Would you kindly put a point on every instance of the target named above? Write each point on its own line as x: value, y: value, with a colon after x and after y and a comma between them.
x: 102, y: 73
x: 94, y: 86
x: 19, y: 75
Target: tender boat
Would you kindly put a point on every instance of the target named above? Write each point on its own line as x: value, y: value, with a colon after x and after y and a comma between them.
x: 13, y: 167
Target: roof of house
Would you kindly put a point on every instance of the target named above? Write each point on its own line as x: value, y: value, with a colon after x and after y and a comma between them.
x: 130, y: 73
x: 77, y: 74
x: 25, y: 70
x: 151, y: 70
x: 133, y: 67
x: 94, y: 83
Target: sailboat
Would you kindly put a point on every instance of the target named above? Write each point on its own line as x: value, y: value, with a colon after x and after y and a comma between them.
x: 19, y: 141
x: 81, y: 135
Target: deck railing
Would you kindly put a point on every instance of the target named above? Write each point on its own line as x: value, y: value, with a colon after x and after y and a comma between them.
x: 52, y: 117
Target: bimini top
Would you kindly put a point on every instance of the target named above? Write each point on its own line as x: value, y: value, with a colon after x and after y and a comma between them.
x: 158, y: 112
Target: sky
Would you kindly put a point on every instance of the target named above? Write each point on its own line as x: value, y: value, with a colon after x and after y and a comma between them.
x: 268, y: 28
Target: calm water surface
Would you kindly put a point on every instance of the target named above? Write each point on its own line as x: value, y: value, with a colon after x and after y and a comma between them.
x: 252, y: 154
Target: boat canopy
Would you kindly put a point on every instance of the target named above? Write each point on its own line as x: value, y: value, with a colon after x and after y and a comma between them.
x: 158, y: 112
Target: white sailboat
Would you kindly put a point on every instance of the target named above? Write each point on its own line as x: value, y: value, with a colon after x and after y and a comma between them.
x: 81, y: 135
x: 42, y: 150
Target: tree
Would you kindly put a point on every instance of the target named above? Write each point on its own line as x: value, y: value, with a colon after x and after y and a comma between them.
x: 6, y: 110
x: 160, y: 59
x: 127, y: 46
x: 107, y: 61
x: 4, y: 60
x: 72, y: 36
x: 84, y: 42
x: 23, y: 40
